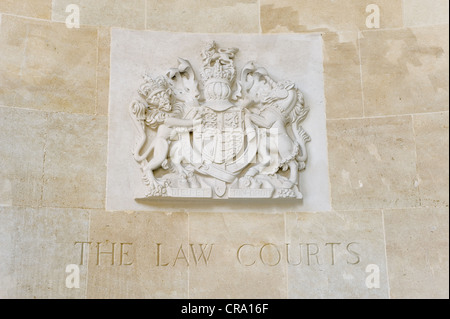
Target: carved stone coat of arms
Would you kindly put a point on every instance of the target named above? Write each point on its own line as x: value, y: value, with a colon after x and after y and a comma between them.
x: 219, y: 132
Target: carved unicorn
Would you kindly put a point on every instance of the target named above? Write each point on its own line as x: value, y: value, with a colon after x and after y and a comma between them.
x: 280, y: 111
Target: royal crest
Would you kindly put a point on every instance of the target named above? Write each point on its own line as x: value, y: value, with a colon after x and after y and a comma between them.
x: 229, y: 135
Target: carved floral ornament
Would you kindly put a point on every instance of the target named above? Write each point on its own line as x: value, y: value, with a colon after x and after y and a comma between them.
x: 229, y: 135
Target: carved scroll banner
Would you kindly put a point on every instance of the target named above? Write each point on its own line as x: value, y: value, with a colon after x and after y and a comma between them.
x: 238, y: 119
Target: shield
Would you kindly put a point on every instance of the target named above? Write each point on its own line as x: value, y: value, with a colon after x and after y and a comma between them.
x: 222, y: 136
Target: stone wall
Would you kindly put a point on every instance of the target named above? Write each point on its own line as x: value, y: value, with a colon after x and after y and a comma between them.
x: 387, y: 113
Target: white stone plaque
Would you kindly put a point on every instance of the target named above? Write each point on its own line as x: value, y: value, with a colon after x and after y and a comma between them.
x: 222, y: 119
